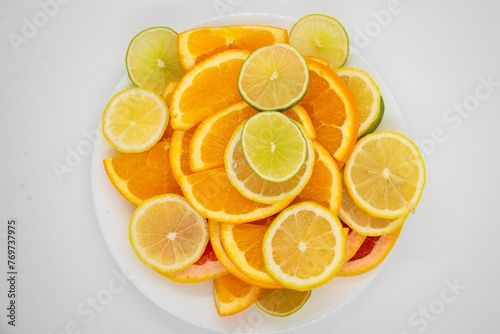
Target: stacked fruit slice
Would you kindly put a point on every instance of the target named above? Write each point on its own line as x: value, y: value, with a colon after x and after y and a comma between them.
x: 247, y: 151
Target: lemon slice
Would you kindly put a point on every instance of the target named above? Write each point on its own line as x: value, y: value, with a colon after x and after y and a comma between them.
x: 273, y: 77
x: 368, y: 98
x: 167, y: 234
x: 322, y: 36
x: 134, y: 120
x: 152, y: 60
x: 274, y: 146
x: 385, y: 174
x: 282, y: 302
x: 362, y: 222
x: 304, y: 246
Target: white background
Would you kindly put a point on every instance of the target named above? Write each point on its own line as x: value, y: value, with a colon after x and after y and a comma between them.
x: 433, y: 55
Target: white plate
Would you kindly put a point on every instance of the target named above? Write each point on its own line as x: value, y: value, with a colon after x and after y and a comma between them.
x: 194, y: 302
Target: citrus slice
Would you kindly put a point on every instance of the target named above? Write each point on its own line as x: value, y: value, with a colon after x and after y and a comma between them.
x: 370, y: 254
x: 300, y: 115
x: 213, y: 134
x: 304, y: 246
x: 197, y: 44
x: 321, y: 36
x: 205, y: 268
x: 207, y: 88
x: 385, y: 175
x: 353, y: 242
x: 274, y: 146
x: 243, y: 245
x: 167, y: 234
x: 215, y: 240
x: 273, y: 77
x: 134, y: 120
x: 211, y: 193
x: 252, y: 186
x: 282, y: 302
x: 179, y: 153
x: 332, y: 109
x: 362, y: 222
x: 325, y: 184
x: 139, y: 176
x: 152, y: 60
x: 232, y: 295
x: 367, y: 95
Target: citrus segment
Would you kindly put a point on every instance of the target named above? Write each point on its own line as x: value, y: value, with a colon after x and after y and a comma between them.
x: 139, y: 176
x: 179, y: 153
x: 207, y: 88
x: 215, y: 240
x: 152, y: 60
x: 362, y: 222
x: 332, y: 109
x: 243, y: 245
x: 300, y: 115
x: 282, y: 302
x: 213, y: 134
x: 273, y: 77
x: 210, y: 192
x: 367, y: 95
x: 196, y: 44
x: 385, y: 175
x: 370, y: 254
x: 232, y: 295
x: 167, y: 234
x: 134, y: 120
x: 252, y: 186
x: 205, y: 268
x: 353, y: 242
x: 321, y: 36
x: 274, y: 146
x: 304, y: 246
x: 325, y: 184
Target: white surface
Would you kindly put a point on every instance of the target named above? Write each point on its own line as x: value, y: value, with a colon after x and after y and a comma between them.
x: 435, y: 56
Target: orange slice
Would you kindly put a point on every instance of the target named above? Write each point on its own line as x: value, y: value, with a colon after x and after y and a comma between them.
x: 210, y: 192
x: 370, y: 254
x: 167, y: 234
x: 196, y: 44
x: 179, y: 152
x: 220, y: 252
x: 232, y: 295
x: 139, y: 176
x: 332, y: 109
x: 207, y: 267
x: 213, y: 134
x: 325, y: 184
x: 243, y: 245
x: 207, y: 88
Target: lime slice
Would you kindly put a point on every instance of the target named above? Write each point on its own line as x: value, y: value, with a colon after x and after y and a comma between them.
x: 152, y: 60
x: 321, y: 36
x: 282, y: 302
x: 273, y: 145
x: 385, y: 174
x: 368, y: 99
x: 134, y: 120
x: 273, y: 78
